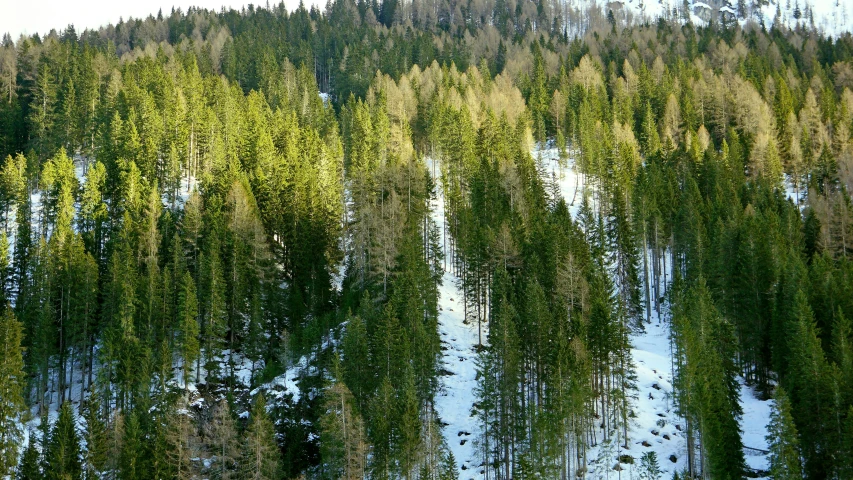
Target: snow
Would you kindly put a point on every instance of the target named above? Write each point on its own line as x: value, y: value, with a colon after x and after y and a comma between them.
x: 653, y: 406
x: 654, y: 426
x: 794, y: 194
x: 655, y: 422
x: 455, y: 400
x: 756, y: 417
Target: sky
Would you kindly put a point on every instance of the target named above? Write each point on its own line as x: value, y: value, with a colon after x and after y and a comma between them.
x: 39, y: 16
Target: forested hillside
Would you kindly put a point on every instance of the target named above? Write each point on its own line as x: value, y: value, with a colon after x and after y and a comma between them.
x: 263, y: 244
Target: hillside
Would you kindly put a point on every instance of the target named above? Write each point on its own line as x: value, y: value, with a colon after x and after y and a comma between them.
x: 430, y: 240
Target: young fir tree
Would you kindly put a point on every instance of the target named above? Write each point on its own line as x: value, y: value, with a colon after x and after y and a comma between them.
x: 408, y: 441
x: 5, y: 269
x: 260, y: 450
x: 12, y: 384
x: 223, y: 443
x: 783, y: 441
x: 188, y: 325
x: 213, y: 293
x: 63, y: 454
x: 96, y: 437
x: 356, y: 367
x: 808, y: 385
x: 29, y: 468
x: 181, y: 439
x: 343, y: 444
x: 131, y: 460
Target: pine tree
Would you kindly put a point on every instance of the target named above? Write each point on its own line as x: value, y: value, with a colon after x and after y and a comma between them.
x: 215, y: 320
x: 13, y: 187
x: 409, y: 439
x: 708, y: 392
x: 93, y: 210
x: 63, y: 454
x: 223, y: 443
x: 381, y: 420
x: 846, y: 463
x: 182, y: 441
x: 12, y: 384
x: 538, y: 97
x: 131, y: 461
x: 343, y: 446
x: 649, y: 468
x: 783, y: 441
x: 29, y: 468
x: 188, y: 325
x: 260, y: 450
x: 448, y: 466
x: 808, y: 385
x: 96, y: 437
x: 356, y: 364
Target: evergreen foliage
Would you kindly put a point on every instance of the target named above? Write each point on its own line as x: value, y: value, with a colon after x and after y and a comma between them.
x: 187, y: 221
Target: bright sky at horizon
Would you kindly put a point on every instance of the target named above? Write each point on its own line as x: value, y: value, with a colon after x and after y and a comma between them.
x: 40, y: 16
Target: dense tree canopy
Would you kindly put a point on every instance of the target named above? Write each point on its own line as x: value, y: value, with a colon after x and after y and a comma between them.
x: 187, y: 219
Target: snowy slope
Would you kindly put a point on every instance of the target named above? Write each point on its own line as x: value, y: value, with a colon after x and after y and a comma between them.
x: 456, y: 398
x: 831, y: 17
x: 655, y: 426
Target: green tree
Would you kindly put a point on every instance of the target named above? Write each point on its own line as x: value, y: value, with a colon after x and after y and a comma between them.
x: 260, y: 450
x: 132, y: 456
x: 213, y: 295
x: 96, y: 437
x: 649, y: 468
x: 343, y: 444
x: 12, y: 383
x: 63, y: 454
x: 29, y: 468
x: 223, y: 442
x: 188, y: 341
x: 783, y: 441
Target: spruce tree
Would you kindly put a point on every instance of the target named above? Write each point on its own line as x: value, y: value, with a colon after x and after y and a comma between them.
x: 29, y: 468
x: 63, y: 455
x: 783, y: 441
x: 12, y: 384
x: 188, y: 340
x: 343, y: 446
x: 260, y: 450
x: 223, y: 442
x: 181, y: 439
x: 131, y: 460
x: 96, y: 437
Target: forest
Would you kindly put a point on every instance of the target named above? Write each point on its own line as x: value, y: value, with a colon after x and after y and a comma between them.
x: 228, y: 237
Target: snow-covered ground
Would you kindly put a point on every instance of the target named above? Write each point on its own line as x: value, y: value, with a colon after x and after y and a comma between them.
x: 655, y: 427
x: 456, y: 398
x: 756, y: 416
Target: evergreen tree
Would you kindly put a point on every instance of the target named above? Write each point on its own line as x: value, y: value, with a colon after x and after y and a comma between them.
x: 63, y: 454
x: 343, y: 445
x: 131, y: 461
x: 12, y: 384
x: 783, y: 440
x: 260, y: 450
x: 182, y: 440
x: 188, y: 340
x: 223, y: 442
x: 96, y: 437
x: 29, y: 467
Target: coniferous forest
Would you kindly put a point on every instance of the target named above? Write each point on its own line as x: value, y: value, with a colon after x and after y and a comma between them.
x: 232, y: 243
